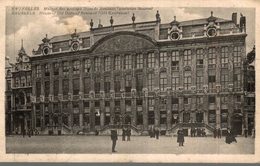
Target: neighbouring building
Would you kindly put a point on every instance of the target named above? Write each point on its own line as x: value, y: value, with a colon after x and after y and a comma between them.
x: 172, y: 75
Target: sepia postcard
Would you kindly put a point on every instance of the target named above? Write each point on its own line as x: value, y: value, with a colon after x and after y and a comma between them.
x: 129, y: 81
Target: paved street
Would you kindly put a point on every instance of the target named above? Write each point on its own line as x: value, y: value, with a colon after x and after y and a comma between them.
x: 138, y: 144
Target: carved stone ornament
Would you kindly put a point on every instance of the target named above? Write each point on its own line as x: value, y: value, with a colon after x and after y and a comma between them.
x: 218, y: 87
x: 69, y: 96
x: 193, y: 89
x: 112, y: 94
x: 60, y: 97
x: 33, y: 99
x: 81, y: 95
x: 92, y: 94
x: 75, y: 46
x: 133, y: 93
x: 230, y: 87
x: 122, y: 94
x: 51, y: 97
x: 102, y: 94
x: 42, y: 98
x: 205, y: 89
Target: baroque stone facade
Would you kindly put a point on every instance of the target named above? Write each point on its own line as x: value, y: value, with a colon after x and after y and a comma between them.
x: 181, y: 74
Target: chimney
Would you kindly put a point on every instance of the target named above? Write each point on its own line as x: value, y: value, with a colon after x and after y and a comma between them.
x: 242, y: 23
x: 234, y: 18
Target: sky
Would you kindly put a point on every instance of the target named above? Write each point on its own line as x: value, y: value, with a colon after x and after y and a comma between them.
x: 32, y: 28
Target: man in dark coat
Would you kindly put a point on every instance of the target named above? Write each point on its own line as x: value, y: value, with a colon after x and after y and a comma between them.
x: 128, y: 133
x: 215, y: 133
x: 180, y: 137
x: 219, y: 133
x: 123, y: 133
x: 114, y: 139
x: 157, y: 132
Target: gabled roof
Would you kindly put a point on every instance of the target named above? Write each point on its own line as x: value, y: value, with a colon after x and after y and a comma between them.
x: 55, y: 39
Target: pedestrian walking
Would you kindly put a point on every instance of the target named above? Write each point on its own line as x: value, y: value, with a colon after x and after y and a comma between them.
x: 219, y: 133
x: 215, y: 133
x: 24, y: 132
x: 246, y: 132
x: 157, y: 132
x: 191, y: 132
x: 123, y: 133
x: 29, y: 132
x: 114, y: 139
x: 180, y: 137
x: 128, y: 133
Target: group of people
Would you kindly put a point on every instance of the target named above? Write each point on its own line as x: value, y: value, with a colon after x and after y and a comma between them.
x: 197, y: 132
x: 230, y: 137
x: 126, y: 132
x: 217, y: 133
x: 154, y: 132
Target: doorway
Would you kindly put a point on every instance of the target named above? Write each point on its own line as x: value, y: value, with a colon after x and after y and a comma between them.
x: 237, y: 124
x: 199, y: 117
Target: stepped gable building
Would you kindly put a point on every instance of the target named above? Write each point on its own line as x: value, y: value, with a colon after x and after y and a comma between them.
x: 178, y: 74
x: 18, y: 104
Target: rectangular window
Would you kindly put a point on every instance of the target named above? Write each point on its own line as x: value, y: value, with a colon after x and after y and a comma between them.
x: 87, y: 85
x: 199, y: 100
x: 46, y: 70
x: 117, y: 83
x: 175, y: 60
x: 237, y: 79
x: 56, y: 87
x: 97, y: 84
x: 17, y: 82
x: 107, y: 84
x: 56, y: 68
x: 187, y: 57
x: 224, y: 100
x: 47, y: 88
x: 212, y: 80
x: 128, y: 62
x: 212, y: 116
x: 65, y: 68
x: 150, y: 81
x: 163, y: 81
x: 128, y: 83
x: 224, y: 80
x: 38, y: 89
x: 23, y: 81
x: 97, y: 64
x: 224, y: 57
x: 139, y: 82
x: 28, y: 80
x: 75, y: 85
x: 65, y: 86
x: 212, y: 99
x: 76, y: 67
x: 212, y: 58
x: 200, y: 58
x: 117, y: 62
x: 187, y: 80
x: 107, y: 63
x: 175, y: 80
x: 163, y: 59
x: 38, y: 71
x: 139, y: 61
x: 199, y: 79
x: 237, y: 56
x: 87, y: 65
x: 151, y: 60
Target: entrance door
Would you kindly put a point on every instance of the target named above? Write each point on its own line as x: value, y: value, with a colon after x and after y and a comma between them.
x: 199, y: 117
x: 237, y: 125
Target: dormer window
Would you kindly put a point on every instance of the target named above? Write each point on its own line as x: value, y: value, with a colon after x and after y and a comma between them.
x: 174, y: 35
x: 45, y: 51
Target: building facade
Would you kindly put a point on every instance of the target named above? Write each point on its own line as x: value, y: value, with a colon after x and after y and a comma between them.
x: 179, y: 74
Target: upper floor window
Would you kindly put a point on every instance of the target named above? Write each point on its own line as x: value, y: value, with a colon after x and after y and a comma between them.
x: 187, y: 57
x: 128, y: 62
x: 97, y: 64
x: 46, y: 70
x: 107, y: 84
x: 65, y: 68
x: 139, y: 61
x: 200, y: 58
x: 23, y: 81
x: 163, y: 81
x: 76, y: 67
x: 97, y: 84
x: 117, y: 83
x: 175, y: 80
x: 150, y: 81
x: 117, y: 62
x: 87, y: 65
x: 38, y: 71
x: 151, y: 60
x: 175, y: 60
x: 17, y: 82
x: 224, y: 80
x: 28, y: 80
x: 128, y: 83
x: 187, y: 80
x: 212, y: 57
x: 107, y: 63
x: 224, y: 57
x: 139, y: 82
x: 199, y: 79
x: 56, y: 68
x: 163, y: 59
x: 75, y: 85
x: 65, y: 86
x: 237, y: 56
